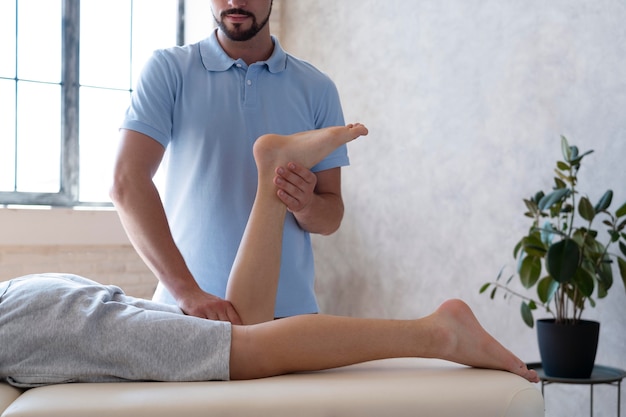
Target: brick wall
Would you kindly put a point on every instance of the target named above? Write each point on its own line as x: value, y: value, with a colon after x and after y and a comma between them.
x: 109, y: 264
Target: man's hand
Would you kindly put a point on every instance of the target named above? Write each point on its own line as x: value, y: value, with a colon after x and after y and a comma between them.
x: 296, y: 186
x: 208, y: 306
x: 313, y: 198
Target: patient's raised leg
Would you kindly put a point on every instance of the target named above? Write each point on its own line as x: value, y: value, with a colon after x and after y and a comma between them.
x: 253, y: 279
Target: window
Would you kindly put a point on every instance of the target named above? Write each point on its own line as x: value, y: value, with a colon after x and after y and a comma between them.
x: 66, y: 74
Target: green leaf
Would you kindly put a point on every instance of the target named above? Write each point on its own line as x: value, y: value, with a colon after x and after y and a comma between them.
x: 547, y: 232
x: 531, y: 206
x: 493, y: 293
x: 500, y: 274
x: 586, y: 210
x: 527, y: 315
x: 562, y: 260
x: 565, y: 148
x: 484, y: 287
x: 622, y: 247
x: 577, y: 158
x: 546, y: 289
x: 605, y: 201
x: 533, y: 245
x: 554, y: 197
x: 562, y: 177
x: 622, y: 270
x: 517, y: 248
x: 530, y: 270
x: 604, y: 274
x: 588, y: 265
x: 614, y: 235
x: 621, y: 211
x: 580, y: 236
x: 584, y: 281
x: 562, y: 166
x: 559, y: 183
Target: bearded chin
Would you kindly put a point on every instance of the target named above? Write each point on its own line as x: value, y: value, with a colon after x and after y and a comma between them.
x: 238, y: 35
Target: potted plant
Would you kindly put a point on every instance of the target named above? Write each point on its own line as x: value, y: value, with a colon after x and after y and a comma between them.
x: 569, y: 263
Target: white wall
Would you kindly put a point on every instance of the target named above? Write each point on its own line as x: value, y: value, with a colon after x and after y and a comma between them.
x: 45, y: 226
x: 466, y: 101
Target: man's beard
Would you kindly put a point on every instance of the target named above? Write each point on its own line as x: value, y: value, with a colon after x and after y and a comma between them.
x: 237, y: 34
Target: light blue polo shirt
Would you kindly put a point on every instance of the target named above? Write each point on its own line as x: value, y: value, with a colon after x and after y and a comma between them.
x: 207, y: 110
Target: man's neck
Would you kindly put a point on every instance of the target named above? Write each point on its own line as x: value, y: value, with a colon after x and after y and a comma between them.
x: 257, y: 49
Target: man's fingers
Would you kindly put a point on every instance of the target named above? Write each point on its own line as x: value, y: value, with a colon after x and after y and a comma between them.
x: 296, y: 186
x: 210, y: 315
x: 287, y: 200
x: 232, y: 316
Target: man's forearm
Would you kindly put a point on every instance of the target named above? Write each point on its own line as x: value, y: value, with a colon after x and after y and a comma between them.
x: 323, y: 216
x: 144, y: 220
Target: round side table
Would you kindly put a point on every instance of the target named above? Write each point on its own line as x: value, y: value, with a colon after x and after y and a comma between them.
x: 600, y: 375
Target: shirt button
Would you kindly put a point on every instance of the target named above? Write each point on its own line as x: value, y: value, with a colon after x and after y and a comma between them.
x: 238, y: 65
x: 249, y: 82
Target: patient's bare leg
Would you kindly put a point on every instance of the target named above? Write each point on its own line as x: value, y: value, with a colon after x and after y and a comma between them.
x: 253, y: 279
x: 315, y: 342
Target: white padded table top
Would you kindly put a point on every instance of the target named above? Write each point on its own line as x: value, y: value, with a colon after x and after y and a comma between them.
x: 8, y: 394
x: 394, y: 387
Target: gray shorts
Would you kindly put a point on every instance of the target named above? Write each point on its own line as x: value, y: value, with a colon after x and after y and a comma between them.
x: 57, y: 328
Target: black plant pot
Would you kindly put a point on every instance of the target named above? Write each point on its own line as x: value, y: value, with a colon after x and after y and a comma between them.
x: 568, y: 350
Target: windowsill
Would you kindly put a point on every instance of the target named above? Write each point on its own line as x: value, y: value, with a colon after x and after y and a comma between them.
x: 47, y: 226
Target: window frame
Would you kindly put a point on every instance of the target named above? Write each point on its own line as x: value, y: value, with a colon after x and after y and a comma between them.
x: 68, y: 194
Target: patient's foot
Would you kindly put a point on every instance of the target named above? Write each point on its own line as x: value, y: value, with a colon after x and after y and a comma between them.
x: 468, y: 343
x: 305, y: 148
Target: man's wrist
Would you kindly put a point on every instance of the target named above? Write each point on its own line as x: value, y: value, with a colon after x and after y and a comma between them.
x: 323, y: 216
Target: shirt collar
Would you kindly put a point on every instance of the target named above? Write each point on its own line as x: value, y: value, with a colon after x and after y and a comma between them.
x: 215, y: 59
